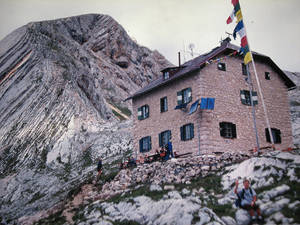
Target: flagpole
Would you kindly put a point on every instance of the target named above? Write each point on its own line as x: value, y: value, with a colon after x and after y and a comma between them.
x: 260, y: 91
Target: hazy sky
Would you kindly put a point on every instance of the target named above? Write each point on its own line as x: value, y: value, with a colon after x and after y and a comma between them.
x: 273, y: 26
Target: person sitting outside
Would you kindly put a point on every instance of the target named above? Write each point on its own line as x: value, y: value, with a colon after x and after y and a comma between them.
x: 248, y: 198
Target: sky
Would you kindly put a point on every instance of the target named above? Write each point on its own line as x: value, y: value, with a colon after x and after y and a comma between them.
x: 170, y: 26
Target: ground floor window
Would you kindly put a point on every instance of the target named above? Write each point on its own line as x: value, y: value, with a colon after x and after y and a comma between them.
x: 164, y: 137
x: 227, y: 130
x: 187, y: 132
x: 276, y: 134
x: 145, y: 144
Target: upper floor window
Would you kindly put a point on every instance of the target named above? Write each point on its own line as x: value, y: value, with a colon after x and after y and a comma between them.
x: 267, y: 76
x: 276, y: 134
x: 145, y: 144
x: 164, y: 137
x: 222, y: 66
x: 187, y: 132
x: 227, y: 130
x: 166, y: 75
x: 246, y: 99
x: 184, y: 96
x: 244, y: 69
x: 163, y: 104
x: 143, y: 112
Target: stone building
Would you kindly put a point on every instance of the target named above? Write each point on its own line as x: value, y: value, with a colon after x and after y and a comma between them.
x: 204, y: 105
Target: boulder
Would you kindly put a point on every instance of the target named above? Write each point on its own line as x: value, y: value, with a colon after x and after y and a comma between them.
x: 242, y: 217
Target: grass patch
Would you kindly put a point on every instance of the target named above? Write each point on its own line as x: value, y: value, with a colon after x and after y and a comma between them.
x: 118, y: 115
x: 56, y: 218
x: 210, y: 182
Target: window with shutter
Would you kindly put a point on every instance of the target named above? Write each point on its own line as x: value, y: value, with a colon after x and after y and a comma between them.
x: 143, y: 112
x: 246, y: 98
x: 163, y: 104
x: 227, y: 130
x: 187, y: 132
x: 164, y: 138
x: 145, y: 144
x: 276, y: 133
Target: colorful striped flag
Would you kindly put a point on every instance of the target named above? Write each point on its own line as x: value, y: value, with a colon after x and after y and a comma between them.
x: 240, y: 30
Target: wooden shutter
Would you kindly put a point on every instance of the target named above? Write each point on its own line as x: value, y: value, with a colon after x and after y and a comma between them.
x: 243, y: 97
x: 140, y: 113
x: 169, y: 135
x: 141, y: 145
x: 146, y: 111
x: 254, y: 98
x: 189, y: 95
x: 182, y: 133
x: 278, y: 136
x: 179, y: 98
x: 160, y: 139
x: 192, y: 130
x: 222, y: 129
x: 149, y: 143
x: 233, y: 128
x: 268, y: 138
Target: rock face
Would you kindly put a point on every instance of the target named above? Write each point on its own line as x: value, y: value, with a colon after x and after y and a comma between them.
x: 294, y: 97
x: 62, y: 83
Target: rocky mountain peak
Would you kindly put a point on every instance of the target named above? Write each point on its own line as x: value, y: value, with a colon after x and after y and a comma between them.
x: 62, y: 86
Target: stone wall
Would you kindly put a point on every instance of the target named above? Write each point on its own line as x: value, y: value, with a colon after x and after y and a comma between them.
x: 225, y: 87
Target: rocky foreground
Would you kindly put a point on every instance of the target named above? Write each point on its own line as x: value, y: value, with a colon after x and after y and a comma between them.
x: 188, y: 191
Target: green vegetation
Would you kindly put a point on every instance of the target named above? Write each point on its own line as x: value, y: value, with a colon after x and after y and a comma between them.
x: 124, y: 110
x: 56, y: 218
x: 118, y: 115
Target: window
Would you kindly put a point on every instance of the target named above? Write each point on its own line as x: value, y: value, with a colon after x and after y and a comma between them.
x: 267, y: 76
x: 143, y: 112
x: 184, y: 96
x: 245, y: 97
x: 164, y: 138
x: 166, y: 75
x: 276, y: 135
x: 145, y: 144
x: 227, y: 130
x: 222, y: 66
x: 163, y: 104
x: 244, y: 69
x: 187, y: 132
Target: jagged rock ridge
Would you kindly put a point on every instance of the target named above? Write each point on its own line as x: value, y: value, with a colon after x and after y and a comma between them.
x: 62, y: 83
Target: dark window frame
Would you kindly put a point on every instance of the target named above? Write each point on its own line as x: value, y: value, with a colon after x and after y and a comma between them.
x: 145, y: 144
x: 244, y: 69
x: 276, y: 133
x: 228, y: 130
x: 184, y: 96
x: 267, y: 76
x: 247, y: 99
x: 221, y: 66
x: 143, y: 112
x: 164, y: 104
x: 166, y: 75
x: 164, y: 137
x: 187, y: 132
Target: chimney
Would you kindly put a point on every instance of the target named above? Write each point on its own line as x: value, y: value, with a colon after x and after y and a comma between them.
x: 179, y: 59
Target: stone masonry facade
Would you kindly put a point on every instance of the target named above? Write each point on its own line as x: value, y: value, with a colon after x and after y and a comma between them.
x: 225, y: 87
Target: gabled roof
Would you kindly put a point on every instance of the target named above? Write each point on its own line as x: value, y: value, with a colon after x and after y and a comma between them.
x: 199, y: 62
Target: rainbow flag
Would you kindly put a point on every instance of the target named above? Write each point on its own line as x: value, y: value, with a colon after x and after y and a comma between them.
x: 240, y: 30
